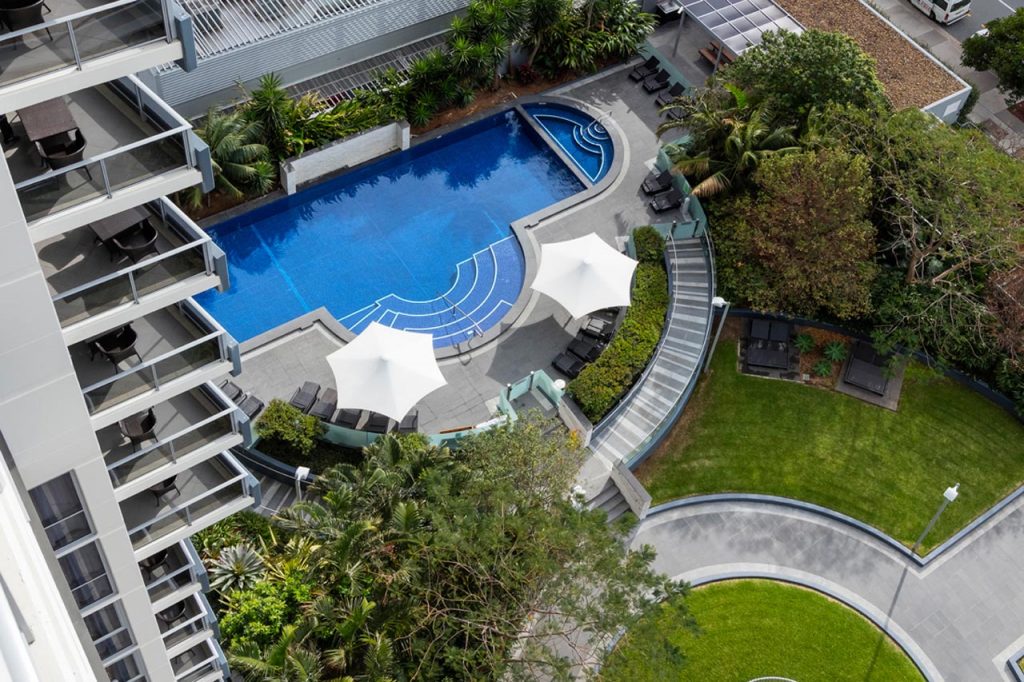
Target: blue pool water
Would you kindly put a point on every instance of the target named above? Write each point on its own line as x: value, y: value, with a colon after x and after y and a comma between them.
x: 582, y: 138
x: 419, y: 240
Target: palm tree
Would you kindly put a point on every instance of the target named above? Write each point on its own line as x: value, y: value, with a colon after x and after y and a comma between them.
x: 273, y: 108
x: 289, y: 659
x: 240, y: 162
x: 542, y: 17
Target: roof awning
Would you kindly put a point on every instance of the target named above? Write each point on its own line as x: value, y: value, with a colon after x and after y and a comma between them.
x: 738, y: 24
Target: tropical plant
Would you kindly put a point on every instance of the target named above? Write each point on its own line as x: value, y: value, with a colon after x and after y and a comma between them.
x: 237, y: 567
x: 272, y: 108
x: 542, y: 18
x: 822, y: 368
x: 255, y: 616
x: 239, y: 160
x: 1001, y: 49
x: 245, y: 527
x: 283, y: 423
x: 834, y: 351
x: 288, y: 659
x: 649, y: 244
x: 804, y: 342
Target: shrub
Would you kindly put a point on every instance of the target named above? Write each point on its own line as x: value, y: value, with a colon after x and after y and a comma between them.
x: 283, y: 423
x: 804, y: 342
x: 835, y: 351
x: 650, y: 247
x: 822, y: 368
x: 526, y: 74
x: 245, y: 527
x: 600, y: 385
x: 255, y: 616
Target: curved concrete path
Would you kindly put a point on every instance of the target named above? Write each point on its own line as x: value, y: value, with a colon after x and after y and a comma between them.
x: 961, y: 617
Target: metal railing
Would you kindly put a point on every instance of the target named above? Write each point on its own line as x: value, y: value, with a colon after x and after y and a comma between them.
x: 123, y: 286
x: 71, y: 40
x: 212, y: 659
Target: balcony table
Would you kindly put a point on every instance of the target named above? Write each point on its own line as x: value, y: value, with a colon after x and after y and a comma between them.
x: 111, y: 226
x: 46, y: 119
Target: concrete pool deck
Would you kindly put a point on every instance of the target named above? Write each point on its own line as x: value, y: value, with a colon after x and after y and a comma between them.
x: 275, y: 368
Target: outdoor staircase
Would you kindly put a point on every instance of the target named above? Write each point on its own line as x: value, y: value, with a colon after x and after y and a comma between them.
x: 484, y: 290
x: 276, y: 495
x: 676, y: 364
x: 610, y: 500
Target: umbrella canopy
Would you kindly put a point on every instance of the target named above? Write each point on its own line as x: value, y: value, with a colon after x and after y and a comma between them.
x: 584, y: 274
x: 385, y: 370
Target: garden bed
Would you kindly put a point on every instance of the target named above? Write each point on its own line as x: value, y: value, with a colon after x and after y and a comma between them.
x: 909, y: 77
x: 752, y: 628
x: 887, y: 469
x: 324, y: 455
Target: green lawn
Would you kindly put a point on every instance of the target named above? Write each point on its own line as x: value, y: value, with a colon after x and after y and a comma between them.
x: 756, y: 628
x: 888, y: 469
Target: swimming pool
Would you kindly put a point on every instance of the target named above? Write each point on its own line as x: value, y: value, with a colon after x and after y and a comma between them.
x: 420, y: 240
x: 579, y: 135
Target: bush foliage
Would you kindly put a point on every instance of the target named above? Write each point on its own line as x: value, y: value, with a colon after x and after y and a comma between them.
x: 285, y: 424
x: 601, y: 383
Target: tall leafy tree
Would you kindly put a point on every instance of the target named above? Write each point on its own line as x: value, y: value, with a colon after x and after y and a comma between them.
x: 1002, y: 51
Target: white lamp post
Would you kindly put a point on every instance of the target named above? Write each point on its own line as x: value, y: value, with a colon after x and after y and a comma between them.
x: 300, y: 475
x: 717, y: 302
x: 947, y: 497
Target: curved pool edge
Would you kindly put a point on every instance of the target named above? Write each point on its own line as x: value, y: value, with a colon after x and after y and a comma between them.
x: 520, y: 228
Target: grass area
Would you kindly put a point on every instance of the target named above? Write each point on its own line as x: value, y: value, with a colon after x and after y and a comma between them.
x: 756, y: 628
x: 889, y: 469
x: 324, y: 455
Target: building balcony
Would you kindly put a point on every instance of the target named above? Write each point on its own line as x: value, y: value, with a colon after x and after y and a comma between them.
x: 97, y: 286
x: 81, y: 43
x: 137, y: 149
x: 189, y: 428
x: 186, y: 623
x: 203, y: 662
x: 173, y: 574
x: 188, y: 502
x: 153, y: 359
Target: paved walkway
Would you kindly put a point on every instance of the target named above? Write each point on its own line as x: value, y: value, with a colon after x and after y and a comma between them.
x: 962, y: 616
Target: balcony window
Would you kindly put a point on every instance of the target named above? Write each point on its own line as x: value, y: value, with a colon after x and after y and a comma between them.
x: 197, y: 662
x: 158, y: 248
x: 60, y: 510
x: 74, y: 33
x: 184, y: 424
x: 129, y: 136
x: 172, y: 569
x: 86, y: 575
x: 149, y: 353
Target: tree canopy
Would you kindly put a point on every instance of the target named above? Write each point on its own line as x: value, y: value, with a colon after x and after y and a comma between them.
x: 1002, y: 51
x: 424, y: 563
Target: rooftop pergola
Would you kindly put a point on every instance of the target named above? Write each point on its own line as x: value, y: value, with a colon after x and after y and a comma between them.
x: 738, y: 25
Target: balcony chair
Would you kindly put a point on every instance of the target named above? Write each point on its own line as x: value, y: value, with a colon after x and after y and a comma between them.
x: 150, y: 564
x: 657, y: 182
x: 137, y: 242
x: 645, y: 70
x: 26, y: 16
x: 164, y: 487
x: 667, y: 201
x: 323, y: 409
x: 118, y: 345
x: 410, y: 423
x: 379, y: 423
x: 71, y: 154
x: 172, y: 613
x: 139, y: 427
x: 304, y: 397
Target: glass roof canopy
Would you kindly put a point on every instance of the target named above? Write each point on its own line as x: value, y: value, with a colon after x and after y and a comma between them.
x: 738, y: 24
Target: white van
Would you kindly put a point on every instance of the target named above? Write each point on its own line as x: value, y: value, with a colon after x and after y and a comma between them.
x: 944, y: 11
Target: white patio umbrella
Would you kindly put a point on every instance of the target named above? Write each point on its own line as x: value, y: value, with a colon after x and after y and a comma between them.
x: 584, y: 274
x: 385, y: 370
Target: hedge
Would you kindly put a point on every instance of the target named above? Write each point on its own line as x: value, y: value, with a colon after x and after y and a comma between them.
x: 602, y: 383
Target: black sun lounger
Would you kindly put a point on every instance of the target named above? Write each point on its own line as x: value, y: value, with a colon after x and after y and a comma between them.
x: 657, y: 182
x: 599, y: 328
x: 665, y: 98
x: 325, y: 406
x: 304, y: 397
x: 347, y: 419
x: 251, y: 406
x: 585, y: 349
x: 667, y: 201
x: 568, y: 364
x: 648, y: 68
x: 379, y: 423
x: 410, y: 423
x: 658, y: 81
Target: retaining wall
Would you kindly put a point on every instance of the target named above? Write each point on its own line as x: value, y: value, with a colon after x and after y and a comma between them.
x: 347, y: 153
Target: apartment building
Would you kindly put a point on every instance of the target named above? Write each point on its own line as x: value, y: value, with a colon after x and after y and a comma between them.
x: 111, y: 422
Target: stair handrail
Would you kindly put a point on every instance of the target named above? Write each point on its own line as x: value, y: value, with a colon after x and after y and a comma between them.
x: 479, y: 329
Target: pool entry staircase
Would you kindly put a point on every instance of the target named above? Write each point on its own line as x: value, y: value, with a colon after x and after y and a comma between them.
x: 484, y: 290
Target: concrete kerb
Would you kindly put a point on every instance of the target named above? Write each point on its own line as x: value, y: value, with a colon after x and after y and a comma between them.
x: 827, y: 588
x: 1014, y: 664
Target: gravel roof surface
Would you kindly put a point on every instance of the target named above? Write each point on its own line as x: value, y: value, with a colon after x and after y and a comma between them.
x: 909, y: 77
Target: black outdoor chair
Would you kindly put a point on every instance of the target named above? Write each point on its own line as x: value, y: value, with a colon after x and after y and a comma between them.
x: 675, y: 92
x: 410, y: 423
x: 172, y: 613
x: 118, y: 345
x: 780, y: 332
x: 568, y: 364
x: 304, y: 397
x: 586, y: 349
x: 645, y: 70
x: 657, y: 182
x: 232, y: 391
x: 137, y: 242
x: 347, y: 419
x: 666, y: 201
x: 70, y: 155
x: 164, y: 487
x: 599, y: 328
x: 17, y: 18
x: 323, y: 409
x: 151, y: 563
x: 379, y: 423
x: 760, y: 329
x: 657, y: 82
x: 139, y: 427
x: 251, y: 406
